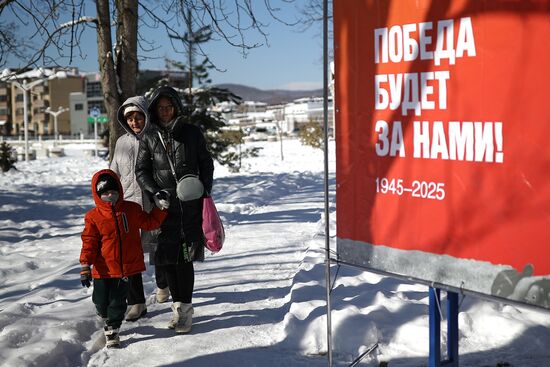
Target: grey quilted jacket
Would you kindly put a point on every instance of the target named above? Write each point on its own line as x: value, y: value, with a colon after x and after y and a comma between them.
x: 124, y: 165
x: 126, y: 149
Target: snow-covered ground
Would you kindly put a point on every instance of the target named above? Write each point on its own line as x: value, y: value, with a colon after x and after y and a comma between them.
x: 259, y: 302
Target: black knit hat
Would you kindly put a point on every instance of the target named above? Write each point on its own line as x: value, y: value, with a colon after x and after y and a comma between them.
x: 105, y: 182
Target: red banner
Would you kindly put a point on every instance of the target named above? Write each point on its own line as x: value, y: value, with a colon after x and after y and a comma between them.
x: 443, y: 119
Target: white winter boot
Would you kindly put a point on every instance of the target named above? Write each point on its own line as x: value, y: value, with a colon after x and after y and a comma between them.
x: 186, y: 318
x: 136, y: 311
x: 163, y: 294
x: 176, y: 315
x: 182, y: 317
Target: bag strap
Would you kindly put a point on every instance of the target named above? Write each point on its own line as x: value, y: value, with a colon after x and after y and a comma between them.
x: 168, y: 156
x: 175, y: 178
x: 170, y: 161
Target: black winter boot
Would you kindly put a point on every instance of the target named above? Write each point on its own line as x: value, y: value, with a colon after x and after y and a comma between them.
x: 111, y: 337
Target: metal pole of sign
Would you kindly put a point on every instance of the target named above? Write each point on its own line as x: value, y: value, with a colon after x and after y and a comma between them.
x: 95, y: 135
x: 327, y: 219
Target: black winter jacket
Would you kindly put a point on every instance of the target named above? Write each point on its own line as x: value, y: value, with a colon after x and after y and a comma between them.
x: 187, y: 149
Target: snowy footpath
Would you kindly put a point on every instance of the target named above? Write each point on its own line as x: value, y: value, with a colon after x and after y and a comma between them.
x: 259, y: 302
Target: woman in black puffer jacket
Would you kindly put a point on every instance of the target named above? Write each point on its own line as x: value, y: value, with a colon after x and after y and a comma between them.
x: 186, y: 146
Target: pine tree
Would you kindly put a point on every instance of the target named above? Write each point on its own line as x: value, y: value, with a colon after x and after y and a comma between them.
x: 6, y: 157
x: 222, y: 144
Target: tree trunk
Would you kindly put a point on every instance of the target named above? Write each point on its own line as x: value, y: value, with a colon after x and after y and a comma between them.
x: 118, y: 72
x: 126, y: 48
x: 107, y: 69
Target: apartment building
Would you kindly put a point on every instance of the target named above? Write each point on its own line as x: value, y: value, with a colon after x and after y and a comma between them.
x: 5, y: 115
x: 52, y: 92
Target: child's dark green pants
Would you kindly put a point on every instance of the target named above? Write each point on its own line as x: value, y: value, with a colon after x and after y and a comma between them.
x: 109, y: 297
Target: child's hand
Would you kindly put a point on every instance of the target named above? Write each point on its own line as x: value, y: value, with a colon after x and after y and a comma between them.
x: 162, y: 199
x: 85, y: 276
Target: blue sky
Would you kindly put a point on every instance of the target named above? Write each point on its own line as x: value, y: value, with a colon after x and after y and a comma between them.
x: 293, y: 59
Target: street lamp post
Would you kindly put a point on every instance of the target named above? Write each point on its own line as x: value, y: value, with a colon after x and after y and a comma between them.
x: 25, y: 87
x: 59, y: 111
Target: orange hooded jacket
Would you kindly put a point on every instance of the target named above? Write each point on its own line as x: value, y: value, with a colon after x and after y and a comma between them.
x: 113, y: 248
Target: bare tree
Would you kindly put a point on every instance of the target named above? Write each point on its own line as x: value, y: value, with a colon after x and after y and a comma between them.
x: 311, y: 16
x: 312, y: 13
x: 59, y: 25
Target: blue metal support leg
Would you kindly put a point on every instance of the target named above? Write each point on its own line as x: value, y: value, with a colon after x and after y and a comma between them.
x: 452, y: 329
x: 435, y: 329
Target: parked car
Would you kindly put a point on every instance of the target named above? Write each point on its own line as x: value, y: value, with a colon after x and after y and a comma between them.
x: 260, y: 134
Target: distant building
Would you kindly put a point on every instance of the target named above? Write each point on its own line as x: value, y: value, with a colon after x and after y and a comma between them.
x: 5, y: 114
x: 59, y: 90
x: 303, y: 110
x: 94, y: 93
x: 82, y: 105
x: 78, y: 112
x: 251, y: 106
x: 53, y: 92
x: 148, y: 79
x: 288, y: 117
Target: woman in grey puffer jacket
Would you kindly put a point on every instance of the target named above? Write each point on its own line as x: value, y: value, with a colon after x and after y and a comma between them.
x: 126, y: 149
x: 134, y: 118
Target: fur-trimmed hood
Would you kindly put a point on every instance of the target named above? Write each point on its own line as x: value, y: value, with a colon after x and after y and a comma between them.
x: 168, y: 92
x: 141, y: 103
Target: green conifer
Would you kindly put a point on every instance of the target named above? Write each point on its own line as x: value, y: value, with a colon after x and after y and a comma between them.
x: 6, y: 157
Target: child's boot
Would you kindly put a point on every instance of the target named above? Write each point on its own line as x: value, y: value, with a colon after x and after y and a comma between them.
x: 112, y: 339
x: 186, y: 318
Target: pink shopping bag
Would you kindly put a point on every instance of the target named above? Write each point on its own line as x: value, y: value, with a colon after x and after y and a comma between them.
x: 212, y: 225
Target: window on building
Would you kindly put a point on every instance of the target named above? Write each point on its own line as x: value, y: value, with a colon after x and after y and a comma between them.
x: 78, y: 107
x: 3, y: 111
x: 3, y: 98
x: 93, y: 89
x: 19, y: 98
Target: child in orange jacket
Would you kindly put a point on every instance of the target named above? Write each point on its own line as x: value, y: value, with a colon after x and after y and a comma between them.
x: 111, y: 248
